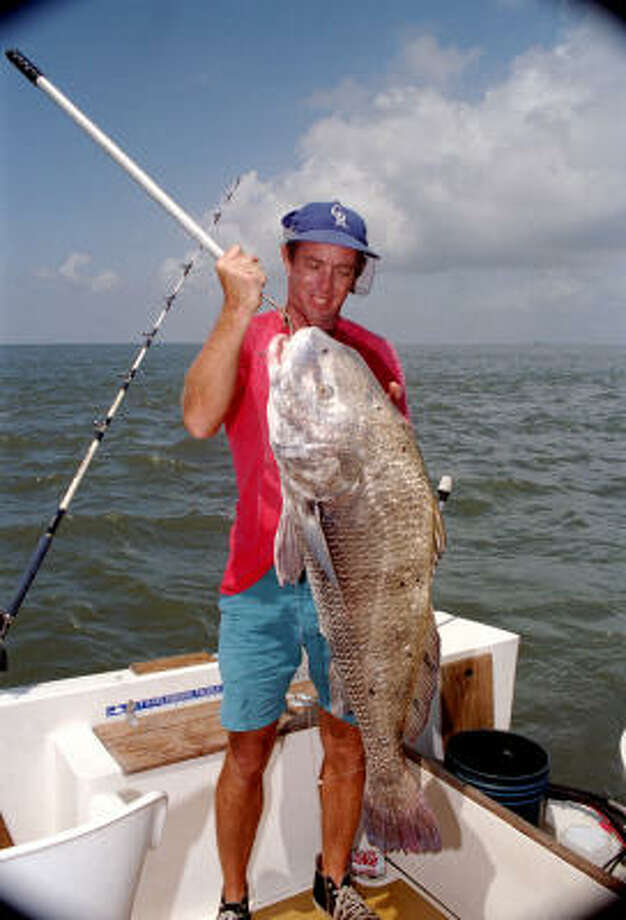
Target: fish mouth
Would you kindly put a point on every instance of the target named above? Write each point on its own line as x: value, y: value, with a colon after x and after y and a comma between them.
x: 295, y: 451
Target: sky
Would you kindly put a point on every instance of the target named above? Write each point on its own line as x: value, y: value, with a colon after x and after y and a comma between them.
x: 484, y: 143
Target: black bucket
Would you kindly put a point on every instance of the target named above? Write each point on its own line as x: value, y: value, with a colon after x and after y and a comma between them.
x: 508, y: 768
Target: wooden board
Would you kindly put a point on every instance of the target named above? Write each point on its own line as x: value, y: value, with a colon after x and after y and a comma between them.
x: 160, y: 738
x: 396, y: 901
x: 466, y: 695
x: 173, y: 661
x: 5, y: 837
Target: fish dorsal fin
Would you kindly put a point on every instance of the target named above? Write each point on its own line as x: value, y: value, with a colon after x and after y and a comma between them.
x: 313, y: 535
x: 439, y: 533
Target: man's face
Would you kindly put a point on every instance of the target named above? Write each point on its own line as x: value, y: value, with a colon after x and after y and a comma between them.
x: 319, y: 278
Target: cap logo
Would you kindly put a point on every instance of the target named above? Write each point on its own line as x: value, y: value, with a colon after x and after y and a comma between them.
x: 340, y: 216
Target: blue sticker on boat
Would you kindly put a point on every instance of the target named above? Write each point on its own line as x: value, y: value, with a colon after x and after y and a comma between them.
x: 166, y: 699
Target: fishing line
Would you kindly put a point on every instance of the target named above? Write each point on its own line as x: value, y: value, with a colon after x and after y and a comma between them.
x: 7, y: 616
x: 36, y: 77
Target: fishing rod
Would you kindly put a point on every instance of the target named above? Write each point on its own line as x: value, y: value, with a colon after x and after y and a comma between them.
x: 36, y: 77
x: 7, y: 616
x: 444, y: 488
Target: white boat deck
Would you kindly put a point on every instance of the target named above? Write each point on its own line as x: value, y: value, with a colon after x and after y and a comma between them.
x: 59, y: 769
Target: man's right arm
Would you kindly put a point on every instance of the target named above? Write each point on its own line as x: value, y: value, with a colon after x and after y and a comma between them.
x: 211, y: 379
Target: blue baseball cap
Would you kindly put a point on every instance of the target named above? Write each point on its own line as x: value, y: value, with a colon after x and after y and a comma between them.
x: 327, y: 222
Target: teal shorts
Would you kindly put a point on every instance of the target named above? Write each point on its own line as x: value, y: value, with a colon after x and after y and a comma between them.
x: 262, y: 633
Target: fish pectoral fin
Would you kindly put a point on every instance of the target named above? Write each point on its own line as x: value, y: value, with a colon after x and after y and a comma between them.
x: 439, y: 533
x: 313, y: 535
x: 339, y: 702
x: 288, y: 558
x: 426, y: 683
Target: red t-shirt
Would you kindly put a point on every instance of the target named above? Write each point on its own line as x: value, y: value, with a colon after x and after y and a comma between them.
x: 258, y: 481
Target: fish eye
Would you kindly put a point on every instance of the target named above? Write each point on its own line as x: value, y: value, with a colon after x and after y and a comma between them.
x: 324, y: 391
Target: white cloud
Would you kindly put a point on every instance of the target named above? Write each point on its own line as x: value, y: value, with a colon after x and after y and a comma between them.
x: 529, y: 178
x: 72, y: 266
x: 427, y: 61
x: 348, y: 96
x: 105, y: 281
x: 73, y: 269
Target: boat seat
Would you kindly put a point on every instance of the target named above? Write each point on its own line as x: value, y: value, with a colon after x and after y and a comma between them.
x: 89, y: 871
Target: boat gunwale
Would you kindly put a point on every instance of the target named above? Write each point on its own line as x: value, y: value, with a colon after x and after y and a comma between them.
x: 536, y: 834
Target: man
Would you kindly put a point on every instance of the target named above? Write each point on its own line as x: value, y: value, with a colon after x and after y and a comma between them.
x: 262, y: 628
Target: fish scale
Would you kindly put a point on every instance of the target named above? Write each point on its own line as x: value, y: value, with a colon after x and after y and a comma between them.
x: 359, y: 513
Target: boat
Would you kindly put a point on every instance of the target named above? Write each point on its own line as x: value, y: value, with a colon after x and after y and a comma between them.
x: 106, y: 798
x: 107, y: 781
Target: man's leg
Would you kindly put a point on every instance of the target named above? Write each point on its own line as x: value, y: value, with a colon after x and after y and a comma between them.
x: 239, y: 803
x: 259, y: 651
x: 342, y: 779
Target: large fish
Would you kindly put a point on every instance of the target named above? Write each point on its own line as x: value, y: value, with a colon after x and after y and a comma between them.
x: 360, y: 515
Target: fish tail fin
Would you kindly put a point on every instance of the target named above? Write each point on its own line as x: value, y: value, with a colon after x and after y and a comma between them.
x: 398, y: 817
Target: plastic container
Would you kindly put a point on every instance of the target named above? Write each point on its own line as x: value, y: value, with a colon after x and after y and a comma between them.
x: 509, y: 768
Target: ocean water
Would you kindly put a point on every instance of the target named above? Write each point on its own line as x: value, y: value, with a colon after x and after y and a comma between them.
x: 534, y: 436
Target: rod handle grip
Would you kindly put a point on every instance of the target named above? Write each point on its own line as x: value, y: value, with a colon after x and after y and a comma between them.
x: 22, y: 63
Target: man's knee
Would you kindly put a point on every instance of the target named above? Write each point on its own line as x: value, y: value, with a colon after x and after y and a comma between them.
x: 343, y: 747
x: 247, y: 752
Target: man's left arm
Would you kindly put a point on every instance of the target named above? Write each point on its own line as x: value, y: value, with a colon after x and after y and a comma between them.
x: 396, y: 384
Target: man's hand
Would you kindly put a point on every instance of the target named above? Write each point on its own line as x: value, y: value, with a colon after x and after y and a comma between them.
x: 242, y: 279
x: 210, y: 381
x: 394, y: 392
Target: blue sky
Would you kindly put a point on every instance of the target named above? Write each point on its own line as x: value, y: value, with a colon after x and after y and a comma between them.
x: 484, y: 143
